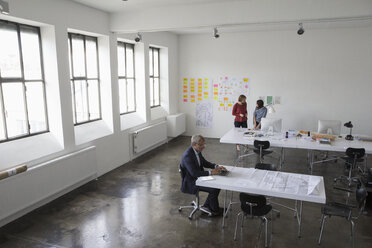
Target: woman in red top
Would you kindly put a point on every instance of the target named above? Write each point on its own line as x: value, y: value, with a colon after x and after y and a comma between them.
x: 240, y: 112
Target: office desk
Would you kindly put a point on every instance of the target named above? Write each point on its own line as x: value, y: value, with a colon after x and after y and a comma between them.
x: 236, y: 136
x: 270, y: 183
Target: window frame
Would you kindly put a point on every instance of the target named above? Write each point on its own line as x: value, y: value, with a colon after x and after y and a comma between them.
x: 152, y: 77
x: 23, y: 81
x: 86, y: 79
x: 122, y: 43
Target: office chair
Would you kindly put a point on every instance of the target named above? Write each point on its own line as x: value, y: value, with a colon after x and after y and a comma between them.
x: 262, y: 148
x: 255, y: 206
x: 353, y: 156
x: 345, y: 211
x: 194, y: 204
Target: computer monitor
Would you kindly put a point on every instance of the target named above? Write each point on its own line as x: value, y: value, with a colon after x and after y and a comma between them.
x: 329, y: 127
x: 274, y: 125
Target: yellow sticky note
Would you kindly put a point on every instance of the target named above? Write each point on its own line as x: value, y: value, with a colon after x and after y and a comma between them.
x: 230, y: 105
x: 185, y: 79
x: 184, y: 83
x: 192, y: 100
x: 206, y: 93
x: 222, y: 105
x: 192, y: 80
x: 215, y: 89
x: 206, y: 87
x: 192, y: 84
x: 205, y: 97
x: 245, y: 79
x: 200, y: 91
x: 200, y: 99
x: 215, y: 98
x: 199, y: 79
x: 184, y: 96
x: 206, y: 79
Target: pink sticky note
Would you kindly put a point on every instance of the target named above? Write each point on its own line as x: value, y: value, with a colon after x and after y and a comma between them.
x: 184, y: 100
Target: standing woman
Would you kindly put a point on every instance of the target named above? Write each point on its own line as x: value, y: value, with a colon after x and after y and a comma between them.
x: 240, y: 112
x: 259, y: 113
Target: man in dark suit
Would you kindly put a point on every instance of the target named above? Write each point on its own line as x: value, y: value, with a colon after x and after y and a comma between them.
x: 193, y: 163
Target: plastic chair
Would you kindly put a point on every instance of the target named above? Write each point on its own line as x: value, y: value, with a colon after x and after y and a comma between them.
x: 194, y: 204
x: 345, y: 211
x: 255, y: 206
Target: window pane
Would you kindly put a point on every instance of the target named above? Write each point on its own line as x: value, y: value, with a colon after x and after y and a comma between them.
x: 31, y: 53
x: 150, y: 60
x: 2, y: 124
x: 121, y: 60
x: 123, y: 95
x: 151, y: 92
x: 156, y: 91
x: 93, y: 99
x: 14, y: 109
x: 73, y: 101
x: 156, y: 63
x: 78, y: 56
x: 81, y: 105
x: 131, y: 95
x: 69, y: 57
x: 130, y: 60
x: 10, y: 65
x: 92, y: 59
x: 36, y: 106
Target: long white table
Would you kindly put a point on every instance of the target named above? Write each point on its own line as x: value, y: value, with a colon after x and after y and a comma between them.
x: 236, y: 136
x: 270, y: 183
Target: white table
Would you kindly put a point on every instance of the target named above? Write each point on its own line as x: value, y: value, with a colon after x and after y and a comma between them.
x: 270, y: 183
x: 236, y: 136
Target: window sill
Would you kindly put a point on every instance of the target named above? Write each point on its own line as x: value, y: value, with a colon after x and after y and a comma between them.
x: 130, y: 120
x: 91, y: 131
x: 28, y: 149
x: 158, y: 112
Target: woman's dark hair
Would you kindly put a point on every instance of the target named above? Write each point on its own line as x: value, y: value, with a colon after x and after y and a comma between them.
x: 241, y: 97
x: 260, y: 103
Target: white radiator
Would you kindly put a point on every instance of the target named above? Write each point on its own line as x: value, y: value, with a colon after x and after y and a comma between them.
x: 176, y: 124
x: 147, y: 137
x: 45, y: 182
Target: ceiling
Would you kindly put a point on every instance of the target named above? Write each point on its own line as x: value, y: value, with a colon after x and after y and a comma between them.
x: 112, y: 6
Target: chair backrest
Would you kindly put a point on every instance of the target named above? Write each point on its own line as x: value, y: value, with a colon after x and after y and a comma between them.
x: 263, y: 144
x: 355, y: 152
x: 182, y: 172
x: 361, y: 195
x: 258, y: 200
x: 325, y: 125
x: 263, y: 166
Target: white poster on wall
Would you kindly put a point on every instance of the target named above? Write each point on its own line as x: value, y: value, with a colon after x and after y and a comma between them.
x: 204, y: 114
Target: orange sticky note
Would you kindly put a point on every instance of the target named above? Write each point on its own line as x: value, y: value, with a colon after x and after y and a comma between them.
x: 192, y: 96
x: 225, y: 98
x: 215, y: 93
x: 184, y: 91
x: 185, y: 86
x: 199, y: 94
x: 200, y: 83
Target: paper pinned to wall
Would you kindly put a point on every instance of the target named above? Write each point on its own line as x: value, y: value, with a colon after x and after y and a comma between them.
x: 204, y: 114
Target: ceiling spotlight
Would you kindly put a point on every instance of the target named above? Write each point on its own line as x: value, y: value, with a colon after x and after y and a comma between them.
x: 138, y: 37
x: 301, y: 29
x: 4, y: 7
x: 215, y: 33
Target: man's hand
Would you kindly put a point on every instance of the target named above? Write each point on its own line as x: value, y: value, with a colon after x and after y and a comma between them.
x: 241, y: 115
x: 215, y: 172
x: 221, y: 168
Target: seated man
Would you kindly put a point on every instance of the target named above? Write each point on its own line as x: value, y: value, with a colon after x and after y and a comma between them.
x: 193, y: 162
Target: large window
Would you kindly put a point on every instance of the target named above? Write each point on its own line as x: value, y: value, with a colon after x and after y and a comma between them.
x: 154, y: 57
x: 84, y: 75
x: 127, y: 86
x: 22, y: 87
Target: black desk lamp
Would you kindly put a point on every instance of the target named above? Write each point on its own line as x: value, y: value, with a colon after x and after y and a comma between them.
x: 349, y: 125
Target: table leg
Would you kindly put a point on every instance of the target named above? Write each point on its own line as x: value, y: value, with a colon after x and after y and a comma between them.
x: 224, y: 209
x: 299, y: 219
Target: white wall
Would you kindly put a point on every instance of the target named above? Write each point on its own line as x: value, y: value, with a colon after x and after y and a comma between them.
x: 323, y: 74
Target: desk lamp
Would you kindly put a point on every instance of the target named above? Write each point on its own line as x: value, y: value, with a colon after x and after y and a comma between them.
x: 349, y: 125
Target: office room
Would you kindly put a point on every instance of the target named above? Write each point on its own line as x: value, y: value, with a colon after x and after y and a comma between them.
x: 101, y: 101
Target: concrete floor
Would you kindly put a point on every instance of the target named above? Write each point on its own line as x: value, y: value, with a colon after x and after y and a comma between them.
x: 137, y: 204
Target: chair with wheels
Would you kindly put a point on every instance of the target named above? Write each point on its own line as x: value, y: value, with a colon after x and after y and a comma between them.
x: 195, y: 203
x: 254, y: 206
x: 352, y: 158
x: 345, y: 211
